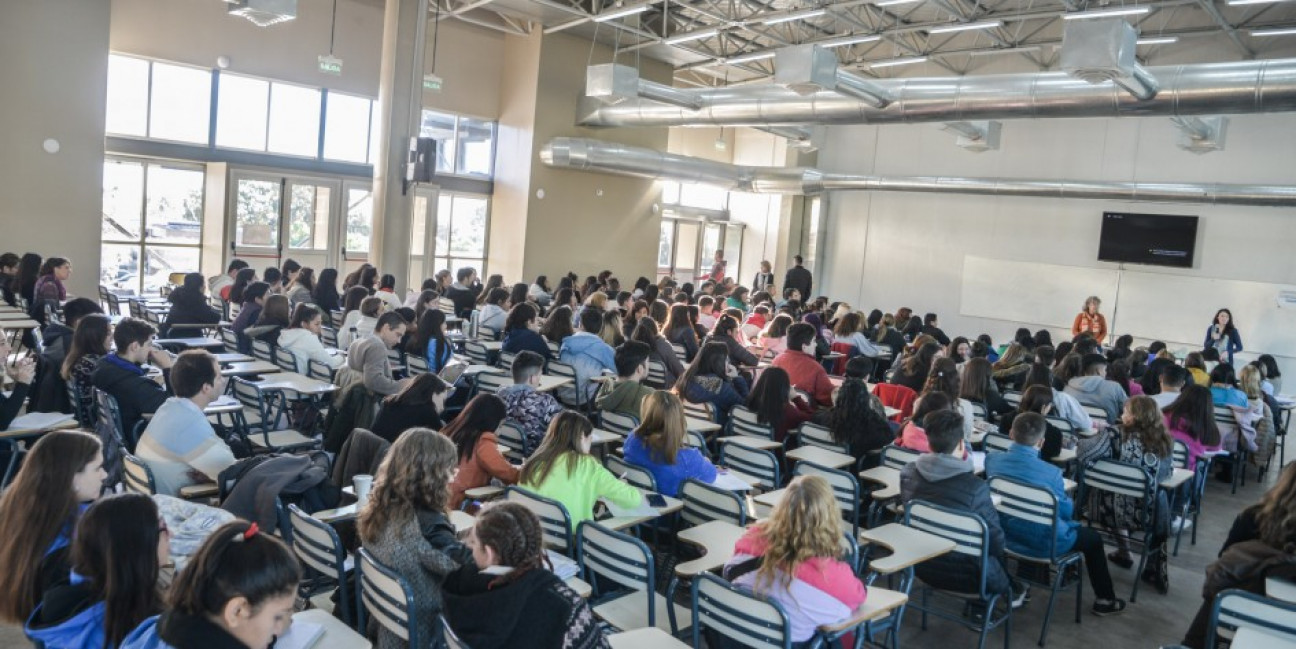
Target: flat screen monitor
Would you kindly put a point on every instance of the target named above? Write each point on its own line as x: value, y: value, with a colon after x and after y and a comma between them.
x: 1156, y: 239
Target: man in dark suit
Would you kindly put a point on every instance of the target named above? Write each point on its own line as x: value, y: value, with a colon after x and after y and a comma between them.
x: 798, y: 277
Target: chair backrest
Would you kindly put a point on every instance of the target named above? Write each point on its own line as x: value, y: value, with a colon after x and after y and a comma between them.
x: 845, y: 488
x: 617, y: 422
x: 230, y: 339
x: 1270, y: 621
x: 506, y: 361
x: 263, y: 351
x: 979, y: 412
x: 490, y: 382
x: 396, y: 356
x: 138, y: 477
x: 753, y: 462
x: 554, y: 348
x: 820, y: 436
x: 387, y: 596
x: 680, y: 352
x: 968, y: 531
x: 555, y: 522
x: 737, y: 614
x: 477, y: 352
x: 109, y: 414
x: 704, y: 502
x: 286, y: 360
x: 511, y: 436
x: 742, y: 421
x: 446, y: 305
x: 609, y: 556
x: 1094, y: 412
x: 1061, y: 424
x: 1226, y: 422
x: 84, y: 419
x: 897, y: 457
x: 632, y: 473
x: 896, y: 396
x: 1027, y: 503
x: 1122, y: 479
x: 699, y: 410
x: 328, y: 336
x: 416, y: 364
x: 319, y: 371
x: 1013, y: 397
x: 697, y: 440
x: 656, y: 375
x: 1179, y: 454
x: 574, y: 398
x: 250, y: 395
x: 318, y: 546
x: 997, y: 442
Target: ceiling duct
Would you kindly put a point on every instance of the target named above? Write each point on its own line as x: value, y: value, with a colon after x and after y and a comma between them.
x: 264, y: 13
x: 1201, y: 134
x: 607, y: 157
x: 801, y: 138
x: 1203, y: 89
x: 977, y: 137
x: 1099, y: 51
x: 807, y: 69
x: 612, y: 84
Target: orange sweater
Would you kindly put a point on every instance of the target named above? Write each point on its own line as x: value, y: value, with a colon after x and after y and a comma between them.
x: 1095, y: 325
x: 477, y: 471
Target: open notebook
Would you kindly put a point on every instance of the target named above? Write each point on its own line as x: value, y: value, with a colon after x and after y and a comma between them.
x: 300, y: 635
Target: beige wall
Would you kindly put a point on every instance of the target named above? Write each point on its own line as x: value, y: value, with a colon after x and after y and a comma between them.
x: 54, y: 76
x: 514, y: 156
x: 470, y: 61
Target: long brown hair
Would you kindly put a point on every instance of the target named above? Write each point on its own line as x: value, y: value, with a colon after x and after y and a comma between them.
x: 1014, y: 355
x: 91, y: 337
x: 513, y: 531
x: 805, y: 524
x: 235, y: 561
x: 1276, y: 512
x: 561, y: 441
x: 36, y: 509
x: 414, y: 475
x: 1148, y: 427
x: 943, y: 377
x: 116, y: 551
x: 662, y: 426
x: 976, y: 380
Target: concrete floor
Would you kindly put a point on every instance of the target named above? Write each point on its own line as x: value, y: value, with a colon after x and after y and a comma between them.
x: 1152, y: 621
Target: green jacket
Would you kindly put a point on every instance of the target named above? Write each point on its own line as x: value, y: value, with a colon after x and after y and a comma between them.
x: 623, y: 397
x: 581, y: 486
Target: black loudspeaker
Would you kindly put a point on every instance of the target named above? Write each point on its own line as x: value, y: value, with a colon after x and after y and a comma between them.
x: 422, y: 160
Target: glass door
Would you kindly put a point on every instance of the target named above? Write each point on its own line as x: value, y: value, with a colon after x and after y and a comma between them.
x: 423, y: 219
x: 280, y: 217
x: 357, y: 228
x: 687, y: 239
x: 310, y: 207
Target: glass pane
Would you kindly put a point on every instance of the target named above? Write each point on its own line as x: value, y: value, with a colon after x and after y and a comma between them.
x: 127, y: 112
x: 670, y: 193
x: 256, y: 215
x: 468, y: 236
x: 181, y: 103
x: 733, y: 248
x: 664, y: 243
x: 686, y: 246
x: 476, y: 144
x: 308, y: 212
x: 346, y: 128
x: 294, y: 120
x: 441, y: 127
x: 160, y: 262
x: 443, y: 226
x: 418, y: 226
x: 174, y: 207
x: 812, y: 233
x: 704, y: 196
x: 123, y: 200
x: 710, y: 243
x: 241, y: 112
x: 119, y: 266
x: 440, y: 264
x: 459, y: 262
x: 359, y: 221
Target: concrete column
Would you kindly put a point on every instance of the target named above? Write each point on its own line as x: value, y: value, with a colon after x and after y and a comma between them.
x: 399, y: 108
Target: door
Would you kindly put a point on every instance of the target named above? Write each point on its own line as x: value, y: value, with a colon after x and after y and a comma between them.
x: 423, y: 219
x: 282, y: 217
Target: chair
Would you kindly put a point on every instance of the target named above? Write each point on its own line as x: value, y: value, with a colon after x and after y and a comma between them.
x: 1061, y: 424
x: 1130, y: 481
x: 704, y: 503
x: 1231, y: 435
x: 554, y: 348
x: 138, y: 477
x: 328, y: 336
x: 656, y: 375
x: 1013, y: 397
x: 511, y: 436
x: 1254, y: 621
x: 846, y: 490
x: 612, y: 557
x: 743, y: 421
x: 756, y: 463
x: 446, y: 305
x: 286, y: 360
x: 697, y: 440
x: 319, y: 548
x: 737, y: 614
x: 704, y: 411
x: 893, y: 457
x: 1191, y: 507
x: 846, y: 350
x: 396, y: 357
x: 979, y: 411
x: 506, y: 361
x: 971, y: 538
x: 477, y: 352
x: 631, y: 473
x: 997, y: 443
x: 416, y: 364
x: 385, y: 595
x: 680, y: 352
x: 821, y: 437
x: 490, y: 382
x: 555, y: 522
x: 1094, y: 412
x: 229, y: 339
x: 84, y: 417
x: 262, y: 351
x: 319, y: 371
x: 896, y: 396
x: 618, y: 422
x: 260, y: 405
x: 574, y: 397
x: 1037, y: 505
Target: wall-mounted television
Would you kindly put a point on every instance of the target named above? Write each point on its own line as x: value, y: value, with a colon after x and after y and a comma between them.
x: 1156, y: 239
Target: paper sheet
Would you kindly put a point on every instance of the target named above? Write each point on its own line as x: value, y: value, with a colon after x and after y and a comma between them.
x: 731, y: 482
x: 300, y: 635
x: 38, y: 420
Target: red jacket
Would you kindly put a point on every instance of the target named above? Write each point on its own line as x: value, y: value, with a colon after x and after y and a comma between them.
x: 806, y: 374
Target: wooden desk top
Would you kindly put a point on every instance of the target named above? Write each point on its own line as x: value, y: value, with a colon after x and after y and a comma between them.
x: 337, y: 635
x: 909, y: 547
x: 701, y: 425
x: 886, y: 476
x: 548, y: 383
x: 753, y: 442
x: 1177, y: 478
x: 250, y: 368
x: 717, y: 540
x: 193, y: 343
x: 821, y: 456
x: 879, y: 604
x: 621, y: 522
x: 296, y: 383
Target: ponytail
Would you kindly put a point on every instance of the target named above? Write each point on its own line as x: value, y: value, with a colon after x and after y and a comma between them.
x: 237, y: 560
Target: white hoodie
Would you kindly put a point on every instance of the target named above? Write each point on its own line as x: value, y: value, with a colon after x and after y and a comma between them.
x: 306, y: 346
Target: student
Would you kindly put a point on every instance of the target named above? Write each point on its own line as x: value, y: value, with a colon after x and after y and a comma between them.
x: 302, y: 339
x: 540, y: 291
x: 660, y: 350
x: 60, y: 474
x: 1195, y: 363
x: 529, y: 408
x: 90, y: 342
x: 887, y: 334
x: 301, y: 286
x: 464, y: 291
x: 1022, y: 462
x: 944, y: 378
x: 857, y: 419
x: 944, y: 477
x: 237, y: 592
x: 806, y: 373
x: 189, y: 305
x: 8, y: 273
x: 120, y: 543
x: 22, y: 373
x: 1092, y: 389
x: 793, y: 558
x: 179, y: 444
x: 1271, y: 377
x: 473, y: 434
x: 521, y: 332
x: 712, y: 379
x: 913, y: 434
x: 1144, y: 443
x: 387, y: 293
x: 275, y: 316
x: 625, y: 395
x: 1039, y: 399
x: 773, y: 340
x: 1090, y: 321
x: 120, y: 374
x: 233, y: 294
x: 358, y: 323
x: 351, y: 301
x: 706, y: 312
x: 557, y: 326
x: 367, y: 357
x: 1172, y: 380
x: 1223, y: 336
x: 912, y: 372
x: 658, y: 445
x: 430, y: 341
x: 49, y: 290
x: 254, y: 297
x: 495, y: 312
x: 737, y: 299
x: 728, y: 331
x: 1012, y: 366
x: 28, y: 273
x: 588, y: 355
x: 977, y: 386
x: 325, y: 294
x: 219, y: 285
x: 772, y: 401
x: 563, y: 469
x: 931, y: 327
x: 611, y: 331
x: 1191, y: 420
x: 1224, y: 390
x: 528, y: 605
x: 1064, y: 405
x: 274, y: 279
x: 418, y: 405
x: 678, y: 330
x: 1256, y: 421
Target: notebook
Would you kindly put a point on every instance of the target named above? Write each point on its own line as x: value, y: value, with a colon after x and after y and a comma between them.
x: 731, y: 482
x: 301, y: 635
x: 39, y: 420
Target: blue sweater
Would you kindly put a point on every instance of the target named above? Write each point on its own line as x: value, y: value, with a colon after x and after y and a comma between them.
x: 689, y: 463
x: 1022, y: 463
x: 520, y: 340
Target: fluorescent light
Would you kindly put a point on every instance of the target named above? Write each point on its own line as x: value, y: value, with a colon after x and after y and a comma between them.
x: 1160, y: 40
x: 1106, y: 13
x: 747, y: 58
x: 1006, y: 50
x: 892, y: 3
x: 693, y: 36
x: 965, y: 27
x: 620, y: 13
x: 849, y: 40
x: 796, y: 16
x: 894, y: 62
x: 1234, y: 3
x: 1284, y: 31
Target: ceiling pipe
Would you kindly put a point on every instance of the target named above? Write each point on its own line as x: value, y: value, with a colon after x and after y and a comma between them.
x: 608, y: 157
x: 611, y: 83
x: 807, y: 69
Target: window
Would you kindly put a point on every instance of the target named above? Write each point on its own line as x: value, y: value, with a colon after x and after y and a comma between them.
x: 294, y: 120
x: 465, y: 146
x: 308, y: 217
x: 665, y: 243
x: 346, y: 128
x: 152, y: 223
x: 440, y: 127
x: 128, y: 81
x: 359, y: 220
x: 180, y: 103
x: 462, y: 222
x: 812, y: 232
x: 241, y: 112
x: 256, y: 213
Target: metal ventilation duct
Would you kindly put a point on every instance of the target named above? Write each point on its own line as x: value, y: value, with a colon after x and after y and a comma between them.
x: 594, y: 155
x: 1206, y: 89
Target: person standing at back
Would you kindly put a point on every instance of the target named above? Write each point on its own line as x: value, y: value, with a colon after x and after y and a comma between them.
x: 799, y: 278
x: 764, y: 279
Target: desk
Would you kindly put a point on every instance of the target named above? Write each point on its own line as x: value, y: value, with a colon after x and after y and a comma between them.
x: 646, y: 638
x: 750, y: 441
x: 462, y: 520
x: 337, y: 635
x: 621, y: 522
x: 550, y: 383
x: 771, y: 499
x: 25, y: 323
x: 190, y: 343
x: 478, y: 369
x: 879, y: 604
x: 886, y: 476
x: 1067, y: 455
x: 226, y: 359
x: 1177, y: 478
x: 820, y: 456
x: 490, y: 345
x: 20, y: 433
x: 12, y: 315
x: 225, y: 405
x: 701, y: 425
x: 250, y: 368
x: 601, y: 436
x: 890, y: 412
x: 908, y: 547
x: 717, y: 540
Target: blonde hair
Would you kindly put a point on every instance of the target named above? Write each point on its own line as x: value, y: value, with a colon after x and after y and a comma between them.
x: 662, y: 425
x: 561, y: 441
x: 415, y: 475
x: 1249, y: 381
x: 1148, y: 426
x: 597, y: 300
x: 805, y: 524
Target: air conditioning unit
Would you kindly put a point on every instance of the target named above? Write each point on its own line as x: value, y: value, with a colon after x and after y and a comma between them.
x: 264, y: 13
x: 1098, y: 51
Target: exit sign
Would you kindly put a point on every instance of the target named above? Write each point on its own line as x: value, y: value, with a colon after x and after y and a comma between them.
x: 329, y: 64
x: 432, y: 82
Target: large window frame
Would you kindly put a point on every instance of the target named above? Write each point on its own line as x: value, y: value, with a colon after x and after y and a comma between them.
x: 686, y: 204
x: 145, y: 244
x: 451, y: 148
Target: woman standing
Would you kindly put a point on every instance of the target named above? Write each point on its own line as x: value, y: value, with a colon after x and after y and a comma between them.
x: 1089, y: 321
x: 1222, y: 335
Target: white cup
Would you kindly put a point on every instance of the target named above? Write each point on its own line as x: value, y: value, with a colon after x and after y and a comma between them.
x: 362, y: 483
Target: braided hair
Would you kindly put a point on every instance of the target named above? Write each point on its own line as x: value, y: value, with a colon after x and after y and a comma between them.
x: 513, y: 531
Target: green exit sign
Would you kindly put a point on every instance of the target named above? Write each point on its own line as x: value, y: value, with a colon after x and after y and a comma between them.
x: 432, y: 82
x: 329, y: 64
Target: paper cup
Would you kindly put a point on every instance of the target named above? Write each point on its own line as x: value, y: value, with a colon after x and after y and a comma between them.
x: 362, y: 485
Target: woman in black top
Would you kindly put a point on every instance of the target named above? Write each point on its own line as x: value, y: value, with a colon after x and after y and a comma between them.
x: 726, y: 331
x: 855, y: 423
x: 913, y: 370
x: 417, y: 406
x: 189, y: 305
x: 1038, y: 398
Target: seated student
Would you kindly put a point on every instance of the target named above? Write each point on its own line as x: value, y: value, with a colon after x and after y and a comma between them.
x: 659, y: 445
x: 1039, y: 399
x: 179, y: 444
x: 625, y: 395
x: 563, y: 469
x: 558, y: 325
x: 588, y: 355
x: 1022, y: 462
x: 911, y: 372
x: 274, y: 278
x: 90, y: 342
x: 302, y: 339
x: 944, y: 378
x: 360, y: 322
x: 857, y: 419
x: 1011, y: 368
x: 713, y: 379
x: 120, y: 374
x: 977, y: 386
x: 49, y: 290
x: 8, y: 275
x: 727, y: 331
x: 275, y: 316
x: 528, y: 605
x: 120, y: 544
x: 1195, y: 363
x: 301, y: 288
x: 367, y: 357
x: 1143, y: 442
x: 849, y: 330
x: 944, y: 477
x: 23, y: 374
x: 254, y: 297
x: 1223, y: 387
x: 522, y: 332
x: 912, y: 434
x: 931, y: 327
x: 61, y: 473
x: 772, y: 401
x: 1064, y: 405
x: 480, y: 461
x: 418, y: 405
x: 1256, y: 422
x: 1092, y: 389
x: 495, y: 312
x: 806, y: 373
x: 793, y: 558
x: 237, y: 592
x: 1118, y: 372
x: 430, y: 341
x: 706, y: 312
x: 189, y: 306
x: 774, y: 338
x: 406, y: 523
x: 1172, y: 380
x: 529, y: 408
x: 1191, y: 419
x: 659, y: 349
x: 463, y: 292
x: 387, y: 293
x: 219, y: 285
x: 678, y: 330
x: 56, y: 340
